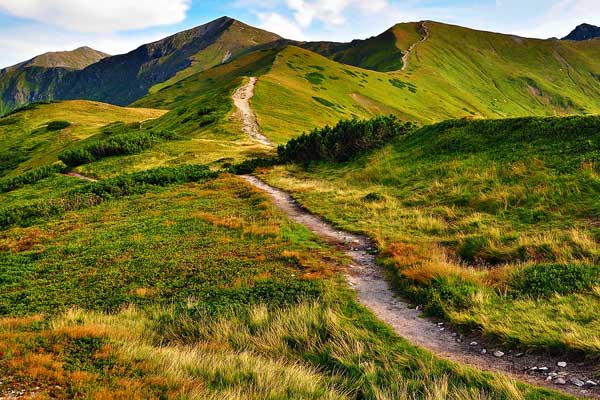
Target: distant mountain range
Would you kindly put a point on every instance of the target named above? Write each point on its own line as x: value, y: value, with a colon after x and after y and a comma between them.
x: 484, y: 73
x: 584, y: 32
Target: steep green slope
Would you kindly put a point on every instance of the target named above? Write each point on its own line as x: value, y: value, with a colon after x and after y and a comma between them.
x: 492, y: 224
x: 36, y: 79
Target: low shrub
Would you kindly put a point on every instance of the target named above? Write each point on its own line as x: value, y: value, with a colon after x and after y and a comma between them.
x: 543, y: 280
x: 344, y: 141
x: 248, y: 166
x: 32, y: 176
x: 94, y: 193
x: 120, y: 144
x: 58, y: 125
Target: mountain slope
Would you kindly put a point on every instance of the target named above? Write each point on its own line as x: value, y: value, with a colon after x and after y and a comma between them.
x: 123, y: 79
x: 33, y: 80
x: 584, y: 32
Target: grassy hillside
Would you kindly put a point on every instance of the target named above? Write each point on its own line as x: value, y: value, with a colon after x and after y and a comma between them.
x: 483, y: 221
x: 456, y: 72
x: 28, y: 138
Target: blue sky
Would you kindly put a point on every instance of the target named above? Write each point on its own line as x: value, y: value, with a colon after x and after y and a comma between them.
x: 31, y: 27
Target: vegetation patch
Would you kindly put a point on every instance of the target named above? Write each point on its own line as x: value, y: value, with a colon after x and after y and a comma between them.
x: 58, y: 125
x: 344, y: 141
x: 316, y: 78
x: 542, y: 281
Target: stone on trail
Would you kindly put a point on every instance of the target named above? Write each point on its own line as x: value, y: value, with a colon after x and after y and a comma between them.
x: 577, y: 382
x: 560, y: 381
x: 498, y: 354
x: 562, y: 364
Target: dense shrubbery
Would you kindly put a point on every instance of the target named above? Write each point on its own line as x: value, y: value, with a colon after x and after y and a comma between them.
x: 32, y: 176
x: 58, y: 125
x: 344, y: 141
x: 121, y: 144
x: 248, y: 166
x: 544, y: 280
x: 96, y: 192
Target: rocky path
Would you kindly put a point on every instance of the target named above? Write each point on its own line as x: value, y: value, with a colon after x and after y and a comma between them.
x: 241, y: 99
x: 374, y: 292
x: 79, y: 176
x: 408, y: 52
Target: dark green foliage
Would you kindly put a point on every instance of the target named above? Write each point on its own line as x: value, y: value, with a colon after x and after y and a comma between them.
x: 441, y: 294
x: 316, y: 78
x: 248, y: 166
x: 32, y: 176
x: 325, y: 102
x: 373, y: 196
x: 543, y: 280
x: 344, y: 141
x: 58, y: 125
x: 120, y: 144
x: 403, y: 85
x: 94, y: 193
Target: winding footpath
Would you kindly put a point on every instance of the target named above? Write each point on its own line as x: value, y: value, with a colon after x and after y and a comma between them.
x: 375, y: 292
x: 241, y: 99
x: 406, y: 55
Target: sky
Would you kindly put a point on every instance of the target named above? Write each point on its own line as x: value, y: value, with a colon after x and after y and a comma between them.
x: 32, y: 27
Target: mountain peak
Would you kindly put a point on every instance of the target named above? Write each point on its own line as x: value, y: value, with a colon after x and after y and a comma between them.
x: 584, y: 32
x: 73, y: 59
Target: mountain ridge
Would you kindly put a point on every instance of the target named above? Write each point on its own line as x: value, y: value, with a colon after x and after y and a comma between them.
x: 584, y: 32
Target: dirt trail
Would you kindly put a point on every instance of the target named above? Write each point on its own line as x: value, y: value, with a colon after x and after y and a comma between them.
x: 241, y: 99
x: 374, y: 292
x: 79, y: 176
x: 425, y: 29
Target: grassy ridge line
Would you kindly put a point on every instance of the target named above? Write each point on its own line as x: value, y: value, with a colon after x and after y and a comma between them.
x: 94, y: 193
x: 466, y: 211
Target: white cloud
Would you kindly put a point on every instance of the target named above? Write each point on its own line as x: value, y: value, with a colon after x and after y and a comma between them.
x: 27, y: 42
x: 99, y: 15
x: 283, y: 26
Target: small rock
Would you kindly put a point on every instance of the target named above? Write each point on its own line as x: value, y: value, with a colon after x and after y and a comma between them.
x: 549, y: 378
x: 498, y: 354
x: 562, y: 364
x: 552, y: 374
x: 533, y: 368
x: 417, y: 308
x: 483, y: 351
x: 442, y: 329
x: 577, y: 382
x: 519, y: 354
x: 454, y: 334
x: 440, y: 324
x: 473, y: 344
x: 560, y: 381
x: 543, y: 369
x: 590, y: 383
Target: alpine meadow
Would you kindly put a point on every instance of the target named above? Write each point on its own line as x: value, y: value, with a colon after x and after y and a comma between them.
x: 226, y: 213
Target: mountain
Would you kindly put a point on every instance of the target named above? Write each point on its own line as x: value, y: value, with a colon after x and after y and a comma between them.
x: 34, y: 79
x: 75, y: 59
x: 123, y: 79
x: 584, y: 32
x: 450, y: 72
x: 382, y: 53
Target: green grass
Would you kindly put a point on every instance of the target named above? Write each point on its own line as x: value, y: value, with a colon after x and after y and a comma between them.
x: 27, y: 140
x: 465, y: 212
x: 202, y: 290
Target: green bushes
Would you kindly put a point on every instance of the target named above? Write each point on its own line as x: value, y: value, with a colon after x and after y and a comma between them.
x: 32, y: 176
x: 121, y: 144
x: 58, y: 125
x: 544, y: 280
x: 248, y: 166
x: 96, y: 192
x: 344, y: 141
